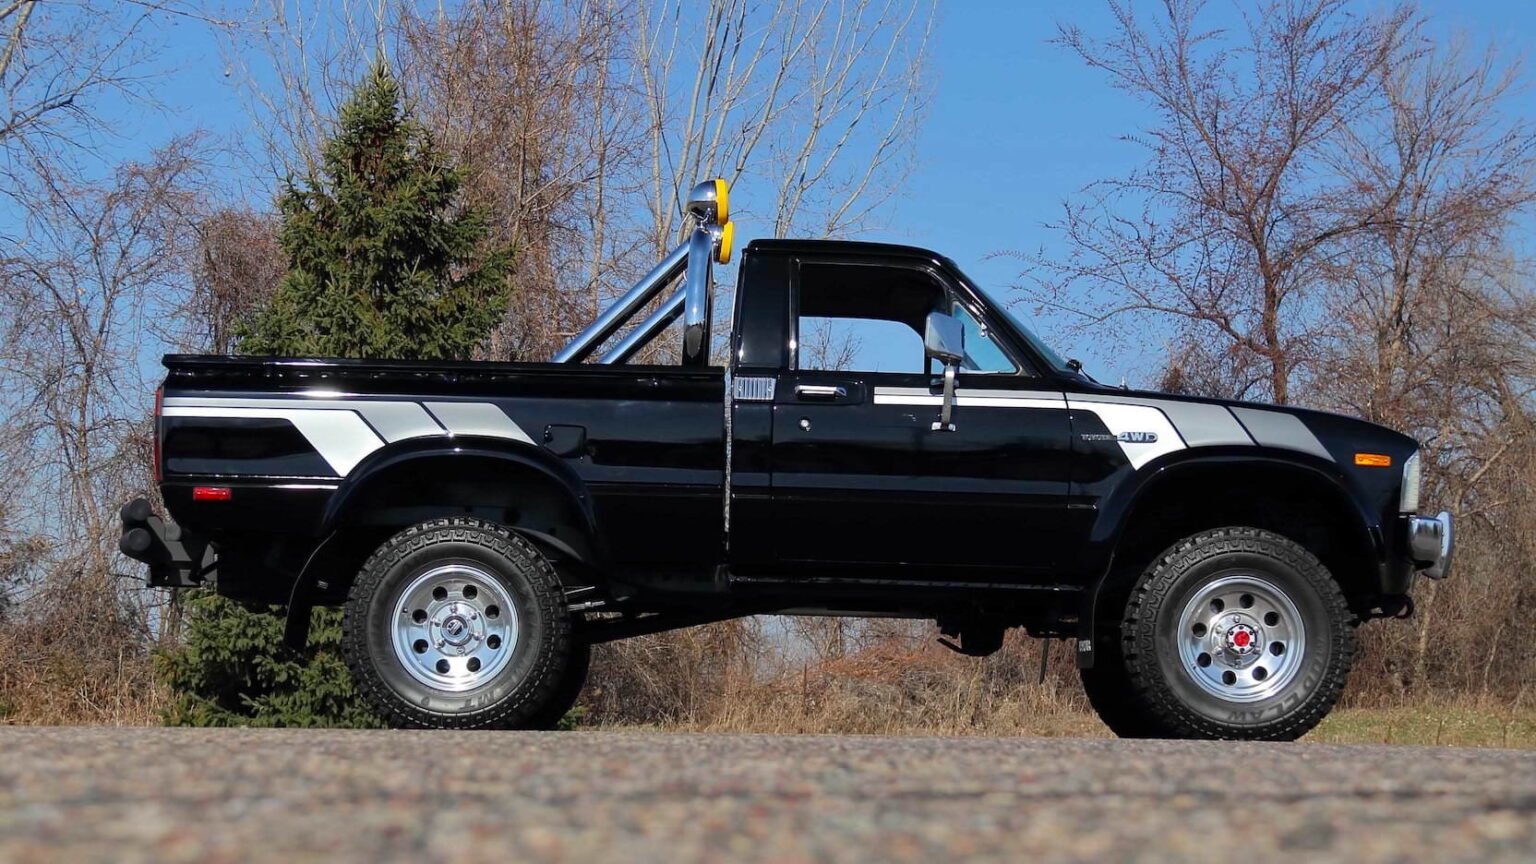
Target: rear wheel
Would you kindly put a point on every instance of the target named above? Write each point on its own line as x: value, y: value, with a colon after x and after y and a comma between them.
x: 1233, y: 633
x: 458, y: 623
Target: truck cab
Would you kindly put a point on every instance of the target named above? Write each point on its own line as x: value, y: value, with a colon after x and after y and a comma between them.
x: 484, y: 524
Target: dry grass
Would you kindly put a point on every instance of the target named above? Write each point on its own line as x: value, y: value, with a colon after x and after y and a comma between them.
x: 905, y: 685
x: 896, y: 688
x: 1449, y: 723
x: 722, y: 679
x: 48, y: 685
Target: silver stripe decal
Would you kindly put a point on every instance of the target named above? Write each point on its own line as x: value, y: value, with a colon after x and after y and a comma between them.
x: 972, y: 397
x: 1121, y: 419
x: 396, y: 421
x: 1199, y: 424
x: 1275, y: 429
x: 340, y: 437
x: 477, y: 418
x: 337, y: 428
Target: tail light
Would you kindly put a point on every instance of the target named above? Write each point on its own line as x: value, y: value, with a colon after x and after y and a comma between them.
x: 155, y: 469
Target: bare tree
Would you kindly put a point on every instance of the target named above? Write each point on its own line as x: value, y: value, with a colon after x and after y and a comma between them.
x: 1326, y: 217
x: 234, y: 265
x: 1443, y: 174
x: 528, y: 96
x: 1435, y: 329
x: 63, y: 61
x: 818, y: 99
x: 1225, y: 227
x: 584, y: 122
x: 85, y: 280
x: 829, y: 346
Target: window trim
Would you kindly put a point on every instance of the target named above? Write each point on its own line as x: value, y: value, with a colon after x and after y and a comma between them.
x: 955, y: 292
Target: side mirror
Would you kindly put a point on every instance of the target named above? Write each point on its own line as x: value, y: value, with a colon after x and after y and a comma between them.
x: 944, y: 341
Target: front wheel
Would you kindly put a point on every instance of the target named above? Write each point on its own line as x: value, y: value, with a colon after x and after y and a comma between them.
x: 456, y: 624
x: 1235, y: 633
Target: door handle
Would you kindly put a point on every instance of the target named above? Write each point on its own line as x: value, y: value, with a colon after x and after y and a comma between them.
x: 821, y: 391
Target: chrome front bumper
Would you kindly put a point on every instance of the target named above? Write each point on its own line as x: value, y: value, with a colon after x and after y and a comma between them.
x: 1429, y: 544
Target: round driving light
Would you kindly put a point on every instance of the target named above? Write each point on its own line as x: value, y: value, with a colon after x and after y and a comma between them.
x: 710, y: 201
x: 722, y: 204
x: 727, y: 241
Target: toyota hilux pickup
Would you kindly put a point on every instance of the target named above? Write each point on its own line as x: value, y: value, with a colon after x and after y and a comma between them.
x: 484, y: 524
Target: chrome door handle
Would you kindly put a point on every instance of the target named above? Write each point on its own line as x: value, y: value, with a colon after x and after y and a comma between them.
x: 821, y: 391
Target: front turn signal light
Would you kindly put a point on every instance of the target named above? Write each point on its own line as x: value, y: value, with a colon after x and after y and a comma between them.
x: 1373, y: 460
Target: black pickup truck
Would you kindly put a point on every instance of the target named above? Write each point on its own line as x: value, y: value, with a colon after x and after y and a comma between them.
x: 485, y: 523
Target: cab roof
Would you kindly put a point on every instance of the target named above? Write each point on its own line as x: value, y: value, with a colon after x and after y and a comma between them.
x: 843, y: 248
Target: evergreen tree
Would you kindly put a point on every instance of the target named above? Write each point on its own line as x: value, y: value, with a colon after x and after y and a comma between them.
x: 383, y: 263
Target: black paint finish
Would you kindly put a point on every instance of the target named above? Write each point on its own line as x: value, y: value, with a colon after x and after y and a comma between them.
x: 842, y: 502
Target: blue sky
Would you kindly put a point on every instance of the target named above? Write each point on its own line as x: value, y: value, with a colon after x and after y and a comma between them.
x: 1015, y: 126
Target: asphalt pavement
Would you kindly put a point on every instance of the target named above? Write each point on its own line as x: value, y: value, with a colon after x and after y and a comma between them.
x: 166, y: 795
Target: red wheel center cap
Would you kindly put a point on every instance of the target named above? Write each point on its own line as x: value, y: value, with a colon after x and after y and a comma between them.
x: 1241, y: 638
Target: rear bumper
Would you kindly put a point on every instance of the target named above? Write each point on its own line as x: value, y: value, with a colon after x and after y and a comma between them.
x: 175, y: 558
x: 1430, y: 544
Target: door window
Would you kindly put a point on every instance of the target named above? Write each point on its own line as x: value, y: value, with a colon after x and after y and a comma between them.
x: 871, y: 318
x: 864, y: 318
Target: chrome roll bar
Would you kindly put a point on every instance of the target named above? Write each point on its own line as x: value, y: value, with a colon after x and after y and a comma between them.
x: 647, y: 330
x: 699, y: 281
x: 707, y: 203
x: 606, y: 324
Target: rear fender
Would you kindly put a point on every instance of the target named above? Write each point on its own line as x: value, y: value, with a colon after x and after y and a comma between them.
x: 516, y: 484
x: 466, y: 474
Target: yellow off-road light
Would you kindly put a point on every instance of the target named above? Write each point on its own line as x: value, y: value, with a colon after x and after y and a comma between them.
x: 727, y: 240
x: 722, y: 203
x: 1373, y: 460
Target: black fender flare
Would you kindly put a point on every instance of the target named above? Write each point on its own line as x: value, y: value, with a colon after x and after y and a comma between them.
x: 1119, y: 509
x: 353, y: 492
x: 459, y: 449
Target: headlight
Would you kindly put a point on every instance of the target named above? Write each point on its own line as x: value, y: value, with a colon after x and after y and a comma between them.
x: 1408, y: 502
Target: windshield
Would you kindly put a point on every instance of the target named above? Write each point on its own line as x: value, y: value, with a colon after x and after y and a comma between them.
x: 1023, y: 329
x: 1036, y: 342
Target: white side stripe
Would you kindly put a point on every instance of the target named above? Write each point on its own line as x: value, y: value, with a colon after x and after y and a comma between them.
x: 972, y: 397
x: 1122, y: 419
x: 477, y: 418
x: 340, y: 437
x: 396, y: 421
x: 1132, y: 421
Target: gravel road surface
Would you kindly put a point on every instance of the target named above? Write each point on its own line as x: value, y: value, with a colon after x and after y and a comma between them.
x: 81, y: 795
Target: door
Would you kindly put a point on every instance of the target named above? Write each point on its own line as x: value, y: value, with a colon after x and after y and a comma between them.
x: 859, y: 473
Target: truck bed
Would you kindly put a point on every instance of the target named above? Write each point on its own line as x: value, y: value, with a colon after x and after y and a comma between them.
x: 292, y: 439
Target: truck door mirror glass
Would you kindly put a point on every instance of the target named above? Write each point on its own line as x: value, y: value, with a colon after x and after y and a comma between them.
x: 944, y: 341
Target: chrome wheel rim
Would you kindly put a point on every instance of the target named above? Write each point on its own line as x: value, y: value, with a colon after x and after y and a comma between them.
x: 454, y: 627
x: 1241, y: 638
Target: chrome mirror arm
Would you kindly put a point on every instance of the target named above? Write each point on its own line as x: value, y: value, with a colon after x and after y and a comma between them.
x: 947, y: 407
x: 697, y: 284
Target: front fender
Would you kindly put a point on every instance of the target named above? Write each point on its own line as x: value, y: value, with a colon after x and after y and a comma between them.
x: 1120, y: 509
